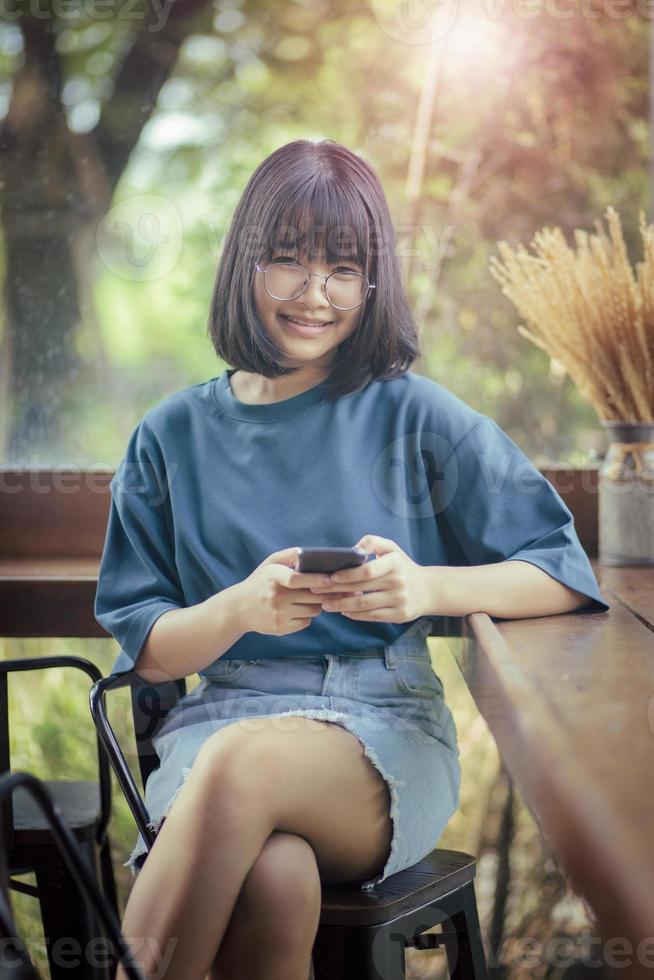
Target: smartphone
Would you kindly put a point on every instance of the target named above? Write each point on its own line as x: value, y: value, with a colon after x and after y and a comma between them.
x: 328, y: 560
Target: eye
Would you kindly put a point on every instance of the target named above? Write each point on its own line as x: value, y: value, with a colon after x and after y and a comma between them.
x: 291, y: 260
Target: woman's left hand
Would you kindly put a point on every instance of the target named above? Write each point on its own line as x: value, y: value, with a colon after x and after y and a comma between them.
x: 394, y: 586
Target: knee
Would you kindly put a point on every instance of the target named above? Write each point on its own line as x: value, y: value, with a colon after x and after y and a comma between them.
x: 285, y: 880
x: 230, y: 773
x: 243, y: 765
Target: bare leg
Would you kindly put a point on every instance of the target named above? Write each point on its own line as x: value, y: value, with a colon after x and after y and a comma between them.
x: 183, y: 896
x: 274, y: 923
x: 296, y: 774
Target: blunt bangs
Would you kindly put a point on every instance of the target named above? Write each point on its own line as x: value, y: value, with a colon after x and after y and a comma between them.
x: 323, y: 223
x: 317, y: 202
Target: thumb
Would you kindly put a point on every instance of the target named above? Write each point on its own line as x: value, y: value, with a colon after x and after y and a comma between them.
x: 287, y: 556
x: 377, y: 544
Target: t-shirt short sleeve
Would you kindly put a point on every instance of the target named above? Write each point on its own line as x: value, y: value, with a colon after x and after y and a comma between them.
x: 498, y: 506
x: 138, y: 580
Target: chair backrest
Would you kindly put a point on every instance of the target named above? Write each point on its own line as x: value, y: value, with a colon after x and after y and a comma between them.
x: 150, y: 705
x: 6, y: 804
x: 20, y: 966
x: 15, y: 962
x: 21, y: 665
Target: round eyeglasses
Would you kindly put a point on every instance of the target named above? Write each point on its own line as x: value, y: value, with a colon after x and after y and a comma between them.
x: 345, y: 289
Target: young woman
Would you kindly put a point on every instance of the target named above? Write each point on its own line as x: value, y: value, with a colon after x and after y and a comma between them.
x: 318, y: 745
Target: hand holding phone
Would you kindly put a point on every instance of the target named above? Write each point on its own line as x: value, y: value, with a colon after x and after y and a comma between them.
x: 276, y: 598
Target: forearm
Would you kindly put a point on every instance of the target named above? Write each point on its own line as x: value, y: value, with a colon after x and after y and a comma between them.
x: 184, y: 641
x: 507, y: 589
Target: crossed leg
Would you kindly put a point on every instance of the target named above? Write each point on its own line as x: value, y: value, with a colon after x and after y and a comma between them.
x: 299, y: 776
x: 275, y: 919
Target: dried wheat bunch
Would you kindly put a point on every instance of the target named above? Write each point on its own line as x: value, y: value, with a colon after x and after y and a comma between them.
x: 586, y: 309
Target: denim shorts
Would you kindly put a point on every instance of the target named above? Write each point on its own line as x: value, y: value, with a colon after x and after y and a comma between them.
x: 389, y: 697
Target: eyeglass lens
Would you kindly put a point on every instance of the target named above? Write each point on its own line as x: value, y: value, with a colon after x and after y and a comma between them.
x: 345, y: 290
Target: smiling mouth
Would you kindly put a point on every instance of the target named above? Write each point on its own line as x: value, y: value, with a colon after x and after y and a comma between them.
x: 309, y: 324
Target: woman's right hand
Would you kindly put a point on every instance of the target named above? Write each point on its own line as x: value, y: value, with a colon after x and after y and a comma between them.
x: 275, y: 599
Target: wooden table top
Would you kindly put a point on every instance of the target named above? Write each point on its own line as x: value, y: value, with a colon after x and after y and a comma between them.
x: 569, y: 700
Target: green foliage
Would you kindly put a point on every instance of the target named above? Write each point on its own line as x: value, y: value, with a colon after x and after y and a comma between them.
x: 530, y: 127
x: 538, y: 126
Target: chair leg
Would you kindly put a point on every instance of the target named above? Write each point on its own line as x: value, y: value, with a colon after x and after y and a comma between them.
x: 109, y: 889
x: 366, y: 953
x: 77, y: 946
x: 329, y: 955
x: 466, y: 958
x: 108, y: 879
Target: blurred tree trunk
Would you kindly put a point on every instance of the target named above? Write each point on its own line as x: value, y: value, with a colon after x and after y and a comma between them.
x: 55, y: 186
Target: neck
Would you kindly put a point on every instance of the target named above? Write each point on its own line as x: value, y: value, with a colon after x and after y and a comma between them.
x: 257, y: 390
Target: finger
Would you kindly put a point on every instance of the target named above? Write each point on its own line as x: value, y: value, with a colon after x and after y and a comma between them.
x: 378, y: 582
x: 376, y: 544
x: 364, y: 573
x: 307, y: 608
x: 306, y: 580
x: 329, y: 596
x: 363, y: 601
x: 307, y: 613
x: 286, y: 557
x: 385, y: 615
x: 336, y: 589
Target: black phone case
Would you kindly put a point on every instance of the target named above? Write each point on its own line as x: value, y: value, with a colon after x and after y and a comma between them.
x: 328, y: 560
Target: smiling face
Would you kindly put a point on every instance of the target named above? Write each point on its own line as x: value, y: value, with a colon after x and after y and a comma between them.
x: 308, y: 349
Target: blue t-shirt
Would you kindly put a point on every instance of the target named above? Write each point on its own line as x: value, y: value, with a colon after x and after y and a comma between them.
x: 210, y: 486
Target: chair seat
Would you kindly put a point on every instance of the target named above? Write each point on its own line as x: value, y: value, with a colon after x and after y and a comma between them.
x: 79, y: 802
x: 438, y: 874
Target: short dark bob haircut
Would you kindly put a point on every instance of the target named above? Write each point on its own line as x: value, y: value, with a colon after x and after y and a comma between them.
x: 302, y: 198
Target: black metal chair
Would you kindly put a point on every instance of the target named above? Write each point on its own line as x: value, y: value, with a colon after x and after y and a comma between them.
x: 18, y: 965
x: 31, y: 847
x: 362, y: 935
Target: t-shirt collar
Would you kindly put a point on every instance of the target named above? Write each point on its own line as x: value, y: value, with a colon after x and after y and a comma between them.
x: 272, y: 412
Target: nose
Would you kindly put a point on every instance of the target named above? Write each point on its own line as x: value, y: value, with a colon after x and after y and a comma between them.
x: 315, y: 292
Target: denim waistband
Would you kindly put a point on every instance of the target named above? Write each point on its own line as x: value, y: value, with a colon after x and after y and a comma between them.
x: 412, y: 641
x: 416, y: 632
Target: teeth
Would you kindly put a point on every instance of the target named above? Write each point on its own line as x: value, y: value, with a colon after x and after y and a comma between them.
x: 303, y: 323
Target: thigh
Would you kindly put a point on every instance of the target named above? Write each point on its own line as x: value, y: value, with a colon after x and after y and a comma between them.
x: 318, y: 783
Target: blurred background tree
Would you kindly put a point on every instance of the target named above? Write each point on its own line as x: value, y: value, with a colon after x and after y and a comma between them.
x: 70, y: 127
x: 128, y: 135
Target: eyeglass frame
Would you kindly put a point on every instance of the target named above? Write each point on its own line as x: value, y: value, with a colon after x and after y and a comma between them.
x: 343, y: 309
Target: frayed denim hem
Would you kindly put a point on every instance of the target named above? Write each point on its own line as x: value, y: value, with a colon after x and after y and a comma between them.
x: 154, y: 825
x: 325, y: 714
